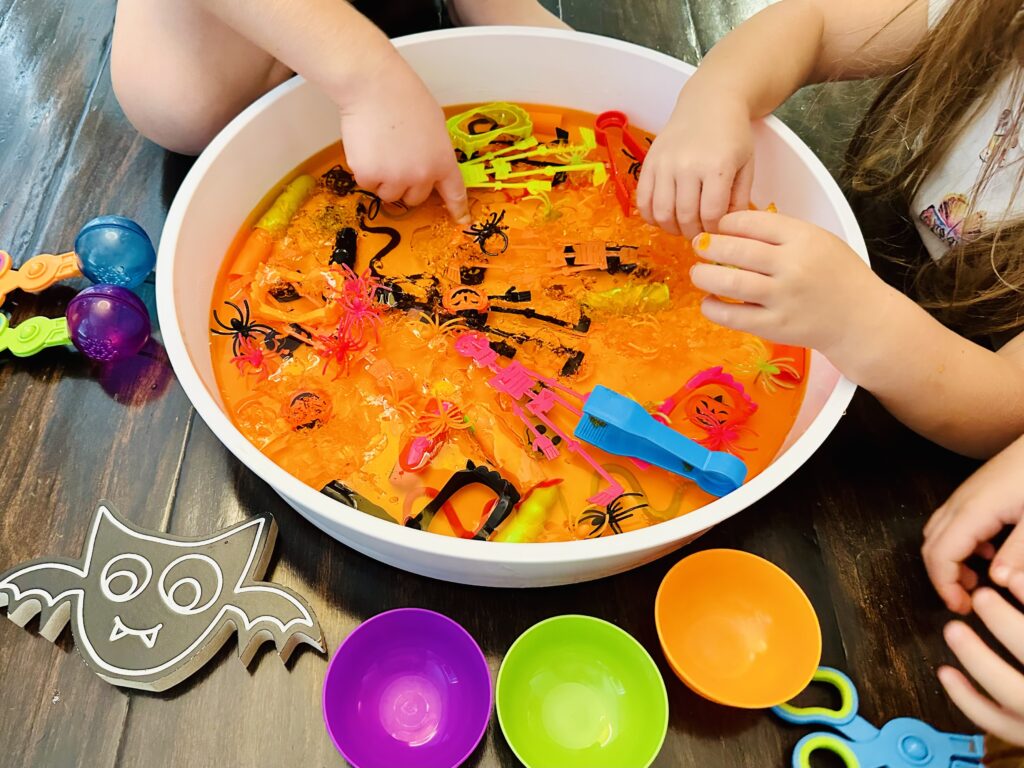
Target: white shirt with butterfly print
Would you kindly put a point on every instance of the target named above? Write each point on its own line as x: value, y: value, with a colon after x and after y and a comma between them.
x: 941, y: 204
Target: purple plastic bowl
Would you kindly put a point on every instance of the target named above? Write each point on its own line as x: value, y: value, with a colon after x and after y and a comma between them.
x: 407, y: 688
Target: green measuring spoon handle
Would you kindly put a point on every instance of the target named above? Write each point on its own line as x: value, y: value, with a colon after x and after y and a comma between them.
x: 33, y: 335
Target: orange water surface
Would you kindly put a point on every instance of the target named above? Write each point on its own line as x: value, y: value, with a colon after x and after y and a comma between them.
x: 335, y: 374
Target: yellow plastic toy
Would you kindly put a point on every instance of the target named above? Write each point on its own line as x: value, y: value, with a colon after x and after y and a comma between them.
x: 494, y: 170
x: 509, y: 119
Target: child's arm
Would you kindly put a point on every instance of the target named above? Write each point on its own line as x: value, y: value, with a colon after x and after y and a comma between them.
x: 801, y: 285
x: 528, y: 13
x: 701, y: 164
x: 392, y: 128
x: 981, y: 508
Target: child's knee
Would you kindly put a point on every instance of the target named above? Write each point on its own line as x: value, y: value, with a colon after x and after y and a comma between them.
x: 151, y: 84
x: 180, y: 91
x: 180, y: 125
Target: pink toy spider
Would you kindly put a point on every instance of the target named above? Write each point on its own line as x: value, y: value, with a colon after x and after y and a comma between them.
x: 539, y: 395
x: 252, y: 354
x: 358, y: 299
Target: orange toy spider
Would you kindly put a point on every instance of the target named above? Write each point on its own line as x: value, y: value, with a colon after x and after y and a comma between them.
x: 430, y: 432
x: 772, y: 373
x: 432, y: 327
x: 439, y: 417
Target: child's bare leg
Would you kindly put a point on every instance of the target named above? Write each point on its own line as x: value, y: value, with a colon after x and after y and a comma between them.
x: 180, y: 74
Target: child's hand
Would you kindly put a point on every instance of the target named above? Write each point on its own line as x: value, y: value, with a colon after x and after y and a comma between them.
x: 396, y: 142
x: 699, y: 168
x: 799, y: 284
x: 1003, y: 715
x: 991, y: 499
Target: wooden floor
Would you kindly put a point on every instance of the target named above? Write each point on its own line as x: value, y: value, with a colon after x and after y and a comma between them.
x: 846, y: 526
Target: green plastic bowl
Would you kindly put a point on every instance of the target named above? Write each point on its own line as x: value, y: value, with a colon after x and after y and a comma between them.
x: 578, y: 692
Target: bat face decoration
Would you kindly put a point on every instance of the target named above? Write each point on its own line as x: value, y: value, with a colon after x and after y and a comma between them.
x: 147, y: 610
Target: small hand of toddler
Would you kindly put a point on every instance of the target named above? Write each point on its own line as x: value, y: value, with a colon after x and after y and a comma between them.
x: 699, y: 168
x: 991, y: 499
x: 980, y: 509
x: 396, y: 142
x: 1003, y: 714
x: 797, y: 283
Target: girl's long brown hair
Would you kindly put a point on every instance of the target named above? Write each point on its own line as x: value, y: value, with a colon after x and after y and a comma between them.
x: 912, y: 125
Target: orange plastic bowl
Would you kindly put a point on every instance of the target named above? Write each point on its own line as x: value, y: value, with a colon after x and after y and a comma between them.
x: 737, y: 629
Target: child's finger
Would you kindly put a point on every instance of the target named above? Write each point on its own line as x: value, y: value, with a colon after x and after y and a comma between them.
x: 939, y: 517
x: 687, y: 206
x: 739, y: 252
x: 944, y: 572
x: 741, y: 317
x: 714, y: 201
x: 1017, y: 586
x: 986, y: 714
x: 663, y: 206
x: 452, y: 189
x: 954, y: 596
x: 645, y: 193
x: 737, y: 284
x: 967, y: 579
x: 1003, y: 682
x: 1010, y: 557
x: 947, y: 548
x: 391, y: 192
x: 415, y: 195
x: 767, y: 227
x: 740, y: 199
x: 1005, y: 622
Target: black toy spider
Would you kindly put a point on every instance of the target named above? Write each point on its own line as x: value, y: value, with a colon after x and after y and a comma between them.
x: 611, y: 516
x: 491, y: 228
x: 636, y: 165
x: 341, y: 182
x: 241, y: 327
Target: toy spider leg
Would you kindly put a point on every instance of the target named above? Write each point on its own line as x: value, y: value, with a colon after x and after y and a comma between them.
x: 241, y: 327
x: 489, y: 229
x: 341, y: 182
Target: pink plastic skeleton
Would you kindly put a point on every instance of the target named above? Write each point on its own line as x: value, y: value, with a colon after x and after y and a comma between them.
x: 539, y: 395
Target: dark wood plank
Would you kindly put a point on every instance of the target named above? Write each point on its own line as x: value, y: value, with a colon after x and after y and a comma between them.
x: 878, y: 485
x: 76, y: 432
x: 52, y: 54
